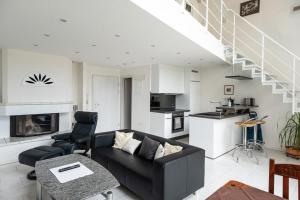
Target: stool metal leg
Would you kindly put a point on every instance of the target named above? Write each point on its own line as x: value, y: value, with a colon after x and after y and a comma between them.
x: 38, y: 191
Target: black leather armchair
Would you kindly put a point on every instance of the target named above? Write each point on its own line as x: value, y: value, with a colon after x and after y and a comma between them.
x: 80, y: 137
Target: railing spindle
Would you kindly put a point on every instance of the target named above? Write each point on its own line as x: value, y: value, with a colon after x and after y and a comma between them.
x: 233, y: 42
x: 294, y: 86
x: 221, y: 22
x: 262, y: 58
x: 206, y: 15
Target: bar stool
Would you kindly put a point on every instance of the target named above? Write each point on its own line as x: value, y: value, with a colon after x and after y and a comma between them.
x: 246, y: 146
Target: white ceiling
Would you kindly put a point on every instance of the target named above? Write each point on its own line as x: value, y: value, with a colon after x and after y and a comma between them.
x: 89, y: 34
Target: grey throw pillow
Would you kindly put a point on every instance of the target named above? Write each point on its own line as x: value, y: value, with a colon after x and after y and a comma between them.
x: 148, y: 148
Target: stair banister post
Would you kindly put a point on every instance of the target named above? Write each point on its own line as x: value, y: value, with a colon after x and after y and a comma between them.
x: 294, y: 85
x: 262, y: 58
x: 206, y: 15
x: 221, y: 24
x: 233, y: 42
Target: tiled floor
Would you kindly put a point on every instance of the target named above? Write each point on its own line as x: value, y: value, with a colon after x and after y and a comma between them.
x: 15, y: 186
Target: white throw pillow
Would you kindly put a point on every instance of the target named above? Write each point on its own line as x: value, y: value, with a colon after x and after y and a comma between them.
x: 131, y: 145
x: 159, y: 152
x: 121, y: 138
x: 170, y: 149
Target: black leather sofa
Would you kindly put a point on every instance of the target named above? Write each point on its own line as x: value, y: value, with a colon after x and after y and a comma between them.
x: 171, y: 177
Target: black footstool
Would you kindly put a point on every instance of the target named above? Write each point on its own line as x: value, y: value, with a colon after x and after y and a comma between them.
x: 29, y: 157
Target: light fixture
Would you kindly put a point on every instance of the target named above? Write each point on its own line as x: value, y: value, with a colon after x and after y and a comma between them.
x: 94, y: 45
x: 152, y: 45
x: 63, y: 20
x: 127, y: 52
x: 188, y: 63
x: 117, y: 35
x: 36, y: 45
x: 178, y: 53
x: 47, y: 35
x: 77, y: 52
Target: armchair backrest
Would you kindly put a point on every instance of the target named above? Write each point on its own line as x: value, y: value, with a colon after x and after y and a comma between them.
x: 85, y: 126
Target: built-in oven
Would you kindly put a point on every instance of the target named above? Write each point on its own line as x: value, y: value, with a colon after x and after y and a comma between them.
x: 177, y: 122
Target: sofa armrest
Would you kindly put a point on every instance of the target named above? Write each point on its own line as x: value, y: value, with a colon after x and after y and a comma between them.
x: 103, y: 140
x: 178, y: 175
x: 63, y: 136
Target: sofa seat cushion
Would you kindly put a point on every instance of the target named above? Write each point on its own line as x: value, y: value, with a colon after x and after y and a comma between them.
x: 134, y: 163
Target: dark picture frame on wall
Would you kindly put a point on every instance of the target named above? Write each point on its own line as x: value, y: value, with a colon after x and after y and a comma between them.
x: 228, y: 89
x: 249, y: 7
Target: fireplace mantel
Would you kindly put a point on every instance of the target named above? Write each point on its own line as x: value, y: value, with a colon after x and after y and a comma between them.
x: 38, y: 108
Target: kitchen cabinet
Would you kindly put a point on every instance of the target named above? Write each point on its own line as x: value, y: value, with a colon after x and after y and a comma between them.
x: 167, y: 79
x: 161, y: 125
x: 215, y: 136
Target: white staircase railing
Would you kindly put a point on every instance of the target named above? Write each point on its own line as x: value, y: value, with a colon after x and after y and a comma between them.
x: 274, y: 61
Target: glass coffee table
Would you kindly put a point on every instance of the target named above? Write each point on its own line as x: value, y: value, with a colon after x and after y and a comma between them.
x: 99, y: 183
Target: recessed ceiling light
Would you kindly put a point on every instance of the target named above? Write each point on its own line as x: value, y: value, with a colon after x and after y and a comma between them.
x: 94, y: 45
x: 127, y: 52
x: 36, y: 45
x: 63, y: 20
x: 47, y: 35
x: 77, y: 52
x: 152, y: 45
x: 178, y: 53
x: 117, y: 35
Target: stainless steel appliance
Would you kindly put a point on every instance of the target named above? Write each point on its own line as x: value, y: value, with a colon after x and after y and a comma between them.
x: 249, y: 101
x: 177, y: 122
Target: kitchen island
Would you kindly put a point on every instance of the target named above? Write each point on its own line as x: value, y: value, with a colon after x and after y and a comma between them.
x: 217, y: 134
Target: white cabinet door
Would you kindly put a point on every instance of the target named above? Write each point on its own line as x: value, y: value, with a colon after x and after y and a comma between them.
x: 106, y: 101
x: 167, y: 79
x: 171, y: 80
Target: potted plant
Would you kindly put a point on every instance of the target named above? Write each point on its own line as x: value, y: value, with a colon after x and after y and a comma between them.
x: 289, y: 136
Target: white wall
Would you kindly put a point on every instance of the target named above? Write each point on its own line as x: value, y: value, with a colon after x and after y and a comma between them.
x: 140, y: 97
x: 276, y: 19
x: 212, y: 89
x: 19, y: 64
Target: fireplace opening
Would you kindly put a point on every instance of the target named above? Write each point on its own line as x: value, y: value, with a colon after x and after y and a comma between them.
x: 31, y: 125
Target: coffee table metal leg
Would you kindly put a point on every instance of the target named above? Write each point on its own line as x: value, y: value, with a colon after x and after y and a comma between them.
x: 38, y: 191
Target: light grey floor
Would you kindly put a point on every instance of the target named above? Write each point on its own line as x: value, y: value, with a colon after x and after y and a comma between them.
x: 15, y: 186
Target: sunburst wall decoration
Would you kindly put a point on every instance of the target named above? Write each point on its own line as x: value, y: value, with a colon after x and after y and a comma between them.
x: 38, y: 79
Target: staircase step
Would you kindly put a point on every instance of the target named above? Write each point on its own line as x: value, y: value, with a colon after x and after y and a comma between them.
x: 273, y: 82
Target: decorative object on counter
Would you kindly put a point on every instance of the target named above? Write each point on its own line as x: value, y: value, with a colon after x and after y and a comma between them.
x: 249, y: 7
x: 249, y: 101
x: 230, y: 102
x: 228, y: 89
x: 289, y: 136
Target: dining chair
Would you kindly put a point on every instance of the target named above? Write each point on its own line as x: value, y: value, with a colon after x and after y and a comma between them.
x: 286, y: 171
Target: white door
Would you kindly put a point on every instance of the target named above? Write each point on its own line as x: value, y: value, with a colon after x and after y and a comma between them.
x: 195, y: 97
x: 106, y: 101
